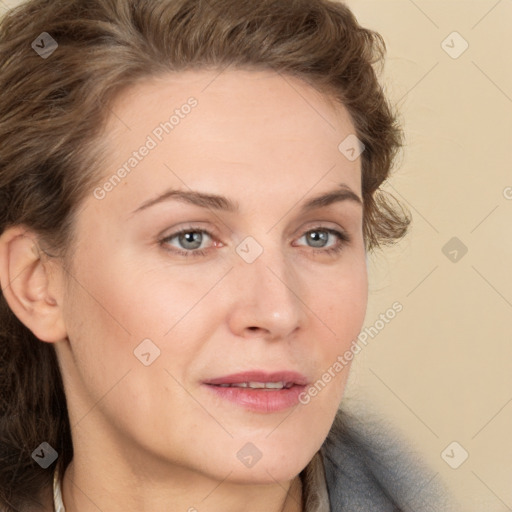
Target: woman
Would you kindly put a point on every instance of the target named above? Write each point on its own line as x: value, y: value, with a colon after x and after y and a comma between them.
x: 189, y: 192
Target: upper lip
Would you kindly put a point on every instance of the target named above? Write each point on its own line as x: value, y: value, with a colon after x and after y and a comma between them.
x: 261, y: 376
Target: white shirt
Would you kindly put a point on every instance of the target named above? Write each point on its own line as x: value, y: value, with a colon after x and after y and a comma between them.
x: 58, y: 505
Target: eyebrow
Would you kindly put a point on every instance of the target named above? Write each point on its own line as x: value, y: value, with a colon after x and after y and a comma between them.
x: 222, y: 203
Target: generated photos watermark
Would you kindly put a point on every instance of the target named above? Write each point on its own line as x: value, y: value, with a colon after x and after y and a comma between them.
x: 344, y: 359
x: 152, y: 141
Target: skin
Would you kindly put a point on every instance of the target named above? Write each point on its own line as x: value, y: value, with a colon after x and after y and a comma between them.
x: 146, y: 437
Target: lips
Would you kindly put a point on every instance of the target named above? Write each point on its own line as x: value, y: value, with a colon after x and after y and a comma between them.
x: 259, y: 391
x: 260, y: 379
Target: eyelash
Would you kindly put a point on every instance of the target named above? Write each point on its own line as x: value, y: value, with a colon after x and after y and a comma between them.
x: 343, y: 238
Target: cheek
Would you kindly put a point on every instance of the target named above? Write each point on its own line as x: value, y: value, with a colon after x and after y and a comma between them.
x: 342, y: 300
x: 116, y: 305
x: 341, y: 309
x: 114, y: 317
x: 132, y: 299
x: 99, y: 338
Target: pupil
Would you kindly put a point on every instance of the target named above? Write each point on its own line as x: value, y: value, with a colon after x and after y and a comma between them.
x: 318, y: 236
x: 192, y: 237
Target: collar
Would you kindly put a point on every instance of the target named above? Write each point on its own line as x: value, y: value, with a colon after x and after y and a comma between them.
x: 58, y: 505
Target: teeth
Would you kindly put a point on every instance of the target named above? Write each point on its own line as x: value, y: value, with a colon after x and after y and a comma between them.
x: 259, y: 385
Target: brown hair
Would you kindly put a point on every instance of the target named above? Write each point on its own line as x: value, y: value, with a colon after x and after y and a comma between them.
x: 54, y: 109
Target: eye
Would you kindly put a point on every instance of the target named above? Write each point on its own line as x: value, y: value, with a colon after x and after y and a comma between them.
x: 189, y: 241
x: 319, y: 238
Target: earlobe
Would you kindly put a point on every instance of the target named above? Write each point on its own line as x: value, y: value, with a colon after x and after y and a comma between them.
x: 26, y: 284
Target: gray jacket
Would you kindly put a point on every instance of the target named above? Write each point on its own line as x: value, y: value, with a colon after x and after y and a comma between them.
x: 368, y: 469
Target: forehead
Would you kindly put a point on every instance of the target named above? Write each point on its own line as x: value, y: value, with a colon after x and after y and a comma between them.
x: 212, y: 129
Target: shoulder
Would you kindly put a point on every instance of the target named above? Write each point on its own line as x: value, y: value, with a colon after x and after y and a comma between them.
x: 368, y: 467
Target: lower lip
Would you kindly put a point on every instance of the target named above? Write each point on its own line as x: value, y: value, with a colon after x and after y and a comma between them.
x: 260, y: 400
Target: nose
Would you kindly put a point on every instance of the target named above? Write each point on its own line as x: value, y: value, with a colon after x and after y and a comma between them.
x: 267, y: 299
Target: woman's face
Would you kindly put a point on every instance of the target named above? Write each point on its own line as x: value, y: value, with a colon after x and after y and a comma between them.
x: 256, y: 282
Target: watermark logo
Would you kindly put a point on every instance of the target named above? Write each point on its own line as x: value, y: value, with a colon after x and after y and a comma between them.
x: 249, y: 250
x: 454, y: 45
x: 454, y: 250
x: 454, y: 455
x: 249, y: 455
x: 352, y: 148
x: 45, y: 455
x: 44, y: 45
x: 147, y: 352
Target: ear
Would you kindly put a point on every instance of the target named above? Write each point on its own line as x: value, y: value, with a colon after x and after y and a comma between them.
x: 31, y: 290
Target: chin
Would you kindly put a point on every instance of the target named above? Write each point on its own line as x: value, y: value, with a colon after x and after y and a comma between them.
x: 279, y: 462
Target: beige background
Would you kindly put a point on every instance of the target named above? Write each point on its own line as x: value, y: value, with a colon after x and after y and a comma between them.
x: 441, y: 370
